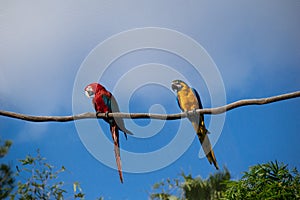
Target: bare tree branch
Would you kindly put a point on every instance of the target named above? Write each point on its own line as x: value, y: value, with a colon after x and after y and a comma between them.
x: 89, y: 115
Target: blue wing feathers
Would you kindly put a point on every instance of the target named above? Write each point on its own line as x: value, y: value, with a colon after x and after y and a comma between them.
x: 198, y: 98
x: 107, y: 101
x: 177, y: 99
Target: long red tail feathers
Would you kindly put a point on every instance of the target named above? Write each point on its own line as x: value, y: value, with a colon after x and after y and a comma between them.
x: 118, y: 160
x: 115, y: 136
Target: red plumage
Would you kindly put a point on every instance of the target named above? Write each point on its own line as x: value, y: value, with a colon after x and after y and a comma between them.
x: 104, y: 102
x: 99, y: 92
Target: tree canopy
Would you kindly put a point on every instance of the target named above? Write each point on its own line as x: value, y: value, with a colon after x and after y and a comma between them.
x: 272, y: 180
x: 187, y: 187
x: 6, y: 174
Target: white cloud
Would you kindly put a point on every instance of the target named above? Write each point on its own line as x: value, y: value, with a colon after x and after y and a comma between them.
x: 44, y: 43
x: 35, y: 57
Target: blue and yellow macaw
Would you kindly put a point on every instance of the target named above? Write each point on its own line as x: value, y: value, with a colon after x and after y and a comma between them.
x: 188, y: 99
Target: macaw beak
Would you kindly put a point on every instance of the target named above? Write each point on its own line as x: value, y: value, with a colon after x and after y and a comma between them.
x: 176, y: 86
x: 89, y: 92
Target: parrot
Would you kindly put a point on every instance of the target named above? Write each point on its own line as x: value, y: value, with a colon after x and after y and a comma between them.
x: 104, y: 102
x: 188, y: 99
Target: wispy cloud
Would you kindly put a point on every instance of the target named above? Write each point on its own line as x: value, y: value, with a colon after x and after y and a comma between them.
x: 43, y: 44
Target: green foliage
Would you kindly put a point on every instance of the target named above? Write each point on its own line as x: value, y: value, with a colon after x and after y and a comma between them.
x: 77, y: 190
x: 211, y: 188
x: 191, y: 188
x: 6, y: 181
x: 272, y: 180
x: 169, y: 190
x: 6, y: 174
x: 39, y: 180
x: 4, y: 147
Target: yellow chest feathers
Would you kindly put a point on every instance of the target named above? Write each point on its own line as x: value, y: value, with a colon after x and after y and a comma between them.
x: 187, y: 100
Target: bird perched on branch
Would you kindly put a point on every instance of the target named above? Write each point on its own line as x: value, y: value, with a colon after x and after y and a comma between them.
x: 188, y: 99
x: 104, y: 102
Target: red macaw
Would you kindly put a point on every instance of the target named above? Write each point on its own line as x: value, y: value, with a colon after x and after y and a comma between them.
x: 104, y: 102
x: 188, y: 99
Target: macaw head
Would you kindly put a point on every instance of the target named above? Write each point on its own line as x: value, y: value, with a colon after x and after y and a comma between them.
x: 92, y: 89
x: 178, y: 85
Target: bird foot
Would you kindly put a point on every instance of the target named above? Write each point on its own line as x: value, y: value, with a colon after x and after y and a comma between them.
x: 97, y: 113
x: 194, y: 111
x: 187, y: 113
x: 193, y: 114
x: 106, y: 114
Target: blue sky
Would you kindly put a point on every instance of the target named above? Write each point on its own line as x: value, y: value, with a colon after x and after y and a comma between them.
x: 254, y: 44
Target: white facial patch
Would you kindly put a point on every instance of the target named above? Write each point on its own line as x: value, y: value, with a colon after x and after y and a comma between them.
x: 89, y: 92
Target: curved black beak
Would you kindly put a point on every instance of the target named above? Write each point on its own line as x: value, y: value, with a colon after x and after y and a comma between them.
x: 89, y: 92
x: 176, y: 86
